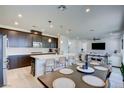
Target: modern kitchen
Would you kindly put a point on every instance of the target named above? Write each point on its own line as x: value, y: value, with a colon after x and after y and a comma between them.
x: 60, y: 43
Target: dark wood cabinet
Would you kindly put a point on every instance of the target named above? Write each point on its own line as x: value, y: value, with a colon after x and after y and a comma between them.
x: 52, y: 44
x: 17, y: 61
x: 3, y: 31
x: 45, y: 43
x: 25, y: 39
x: 19, y: 39
x: 36, y: 38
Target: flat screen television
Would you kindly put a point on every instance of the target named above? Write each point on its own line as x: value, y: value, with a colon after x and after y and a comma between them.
x: 98, y: 46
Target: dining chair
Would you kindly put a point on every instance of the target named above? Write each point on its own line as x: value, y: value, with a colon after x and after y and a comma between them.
x: 71, y: 60
x: 108, y: 74
x: 62, y: 62
x: 107, y: 77
x: 77, y: 58
x: 107, y: 84
x: 83, y: 57
x: 49, y: 65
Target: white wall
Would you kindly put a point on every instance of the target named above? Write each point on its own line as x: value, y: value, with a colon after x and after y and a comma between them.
x: 74, y: 47
x: 112, y: 44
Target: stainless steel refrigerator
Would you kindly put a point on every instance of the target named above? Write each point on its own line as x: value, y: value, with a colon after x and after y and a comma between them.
x: 3, y: 60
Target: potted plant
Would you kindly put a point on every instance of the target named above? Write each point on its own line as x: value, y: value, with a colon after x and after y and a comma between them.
x: 122, y: 71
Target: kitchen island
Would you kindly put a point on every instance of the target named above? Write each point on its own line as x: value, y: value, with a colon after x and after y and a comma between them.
x: 38, y: 62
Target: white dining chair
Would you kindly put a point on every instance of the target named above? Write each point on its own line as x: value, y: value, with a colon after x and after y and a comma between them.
x: 49, y: 65
x: 77, y: 58
x: 62, y: 62
x: 71, y: 60
x: 83, y: 57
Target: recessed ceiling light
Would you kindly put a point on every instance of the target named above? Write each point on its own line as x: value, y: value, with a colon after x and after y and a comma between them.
x: 87, y: 10
x: 16, y: 23
x: 20, y: 15
x: 36, y: 33
x: 61, y: 42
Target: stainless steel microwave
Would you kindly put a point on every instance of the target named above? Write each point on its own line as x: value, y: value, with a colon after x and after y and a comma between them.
x: 37, y: 44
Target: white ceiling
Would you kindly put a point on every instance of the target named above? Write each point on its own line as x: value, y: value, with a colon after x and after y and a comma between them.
x: 103, y: 19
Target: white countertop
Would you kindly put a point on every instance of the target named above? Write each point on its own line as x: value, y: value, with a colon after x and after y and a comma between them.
x: 51, y: 56
x: 25, y: 51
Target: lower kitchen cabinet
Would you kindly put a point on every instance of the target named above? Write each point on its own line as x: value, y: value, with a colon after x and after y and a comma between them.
x: 17, y: 61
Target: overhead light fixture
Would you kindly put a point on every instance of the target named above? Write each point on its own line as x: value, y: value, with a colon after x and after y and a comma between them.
x: 87, y: 10
x: 16, y: 23
x: 20, y: 15
x: 61, y: 42
x: 62, y: 7
x: 36, y: 33
x: 49, y: 40
x: 50, y: 24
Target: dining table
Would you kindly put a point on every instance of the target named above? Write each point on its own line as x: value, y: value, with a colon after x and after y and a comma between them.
x: 76, y: 76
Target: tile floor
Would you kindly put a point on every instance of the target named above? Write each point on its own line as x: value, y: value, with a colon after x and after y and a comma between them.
x: 116, y: 78
x: 21, y: 78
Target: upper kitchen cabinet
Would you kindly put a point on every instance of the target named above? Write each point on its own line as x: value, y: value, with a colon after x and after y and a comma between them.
x: 3, y: 31
x: 36, y: 36
x: 25, y: 39
x: 45, y: 43
x: 49, y: 42
x: 19, y: 39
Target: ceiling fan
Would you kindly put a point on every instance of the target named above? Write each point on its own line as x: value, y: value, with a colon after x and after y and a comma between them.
x: 96, y: 39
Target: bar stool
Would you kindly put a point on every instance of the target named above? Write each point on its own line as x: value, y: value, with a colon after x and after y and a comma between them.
x: 77, y: 59
x: 49, y: 65
x: 83, y: 57
x: 71, y: 60
x: 62, y: 62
